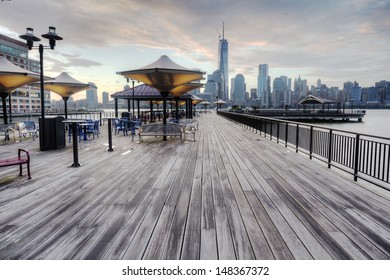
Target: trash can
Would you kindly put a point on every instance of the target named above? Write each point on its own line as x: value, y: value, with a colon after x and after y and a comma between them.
x: 53, y: 136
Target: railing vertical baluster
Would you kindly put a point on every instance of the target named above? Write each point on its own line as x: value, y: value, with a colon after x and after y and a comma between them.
x: 297, y: 139
x: 357, y: 146
x: 330, y: 148
x: 388, y: 163
x: 311, y: 143
x: 286, y: 142
x: 375, y: 158
x: 277, y: 132
x: 384, y: 162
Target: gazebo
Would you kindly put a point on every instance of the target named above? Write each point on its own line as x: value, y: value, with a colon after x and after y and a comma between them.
x: 149, y: 94
x: 315, y: 100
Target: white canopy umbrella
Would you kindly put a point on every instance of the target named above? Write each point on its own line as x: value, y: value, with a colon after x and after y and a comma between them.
x: 205, y: 103
x: 196, y: 99
x: 220, y: 102
x: 12, y: 77
x: 65, y: 86
x: 164, y: 75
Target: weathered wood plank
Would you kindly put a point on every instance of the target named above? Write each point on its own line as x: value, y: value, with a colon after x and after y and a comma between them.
x: 232, y: 194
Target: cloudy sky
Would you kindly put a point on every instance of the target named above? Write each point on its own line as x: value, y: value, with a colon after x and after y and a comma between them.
x: 334, y: 40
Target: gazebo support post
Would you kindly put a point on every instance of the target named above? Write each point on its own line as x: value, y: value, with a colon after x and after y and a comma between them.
x: 66, y: 106
x: 151, y: 110
x: 116, y: 107
x: 177, y: 107
x: 164, y: 96
x: 3, y: 98
x: 10, y: 107
x: 138, y: 109
x: 190, y: 107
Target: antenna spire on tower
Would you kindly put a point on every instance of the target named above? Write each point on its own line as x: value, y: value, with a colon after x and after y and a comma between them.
x: 223, y: 30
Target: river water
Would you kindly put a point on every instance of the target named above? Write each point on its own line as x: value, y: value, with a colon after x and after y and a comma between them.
x: 375, y: 122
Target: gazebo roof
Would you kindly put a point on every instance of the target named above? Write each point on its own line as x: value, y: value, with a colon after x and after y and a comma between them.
x: 311, y: 99
x: 143, y: 92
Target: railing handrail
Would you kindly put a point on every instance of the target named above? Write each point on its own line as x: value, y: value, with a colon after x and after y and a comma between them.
x: 311, y: 125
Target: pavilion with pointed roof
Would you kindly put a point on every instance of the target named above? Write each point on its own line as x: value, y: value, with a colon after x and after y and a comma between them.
x: 149, y: 94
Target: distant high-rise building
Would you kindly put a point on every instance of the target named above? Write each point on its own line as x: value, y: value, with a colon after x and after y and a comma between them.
x: 214, y: 84
x: 92, y: 98
x: 223, y: 63
x: 300, y: 87
x: 347, y: 89
x: 356, y: 94
x: 105, y: 97
x: 383, y: 91
x: 253, y: 93
x: 262, y: 85
x: 319, y: 83
x: 279, y: 92
x: 239, y: 89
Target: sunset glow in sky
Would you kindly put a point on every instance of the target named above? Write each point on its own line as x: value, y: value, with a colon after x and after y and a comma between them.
x: 334, y: 40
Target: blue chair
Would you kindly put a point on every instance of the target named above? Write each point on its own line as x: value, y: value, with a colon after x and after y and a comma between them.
x: 93, y: 128
x: 121, y: 125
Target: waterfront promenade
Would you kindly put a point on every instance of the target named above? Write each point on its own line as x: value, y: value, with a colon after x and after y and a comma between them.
x: 232, y: 194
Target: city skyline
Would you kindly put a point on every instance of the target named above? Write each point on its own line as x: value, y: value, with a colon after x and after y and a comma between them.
x: 335, y: 41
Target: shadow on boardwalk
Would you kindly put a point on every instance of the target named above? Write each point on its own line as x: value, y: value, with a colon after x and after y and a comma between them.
x: 230, y: 195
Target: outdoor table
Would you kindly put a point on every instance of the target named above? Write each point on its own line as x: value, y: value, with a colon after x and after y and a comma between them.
x: 74, y: 124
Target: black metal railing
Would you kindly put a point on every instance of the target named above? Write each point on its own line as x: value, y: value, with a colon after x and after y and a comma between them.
x: 364, y: 156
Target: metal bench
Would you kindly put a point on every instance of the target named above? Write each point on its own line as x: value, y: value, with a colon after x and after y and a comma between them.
x: 6, y: 130
x: 28, y: 127
x: 18, y: 161
x: 159, y: 129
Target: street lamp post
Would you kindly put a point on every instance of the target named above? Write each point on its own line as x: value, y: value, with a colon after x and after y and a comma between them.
x: 30, y: 39
x: 133, y: 100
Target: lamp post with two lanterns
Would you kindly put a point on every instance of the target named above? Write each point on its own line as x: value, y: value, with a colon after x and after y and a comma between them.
x: 30, y: 39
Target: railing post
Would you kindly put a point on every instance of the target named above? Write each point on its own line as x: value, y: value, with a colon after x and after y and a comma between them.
x: 297, y: 140
x: 270, y: 132
x: 357, y: 147
x: 330, y: 148
x: 311, y: 143
x: 286, y: 142
x: 277, y: 133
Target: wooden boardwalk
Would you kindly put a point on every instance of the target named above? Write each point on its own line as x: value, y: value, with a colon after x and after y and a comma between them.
x: 232, y: 194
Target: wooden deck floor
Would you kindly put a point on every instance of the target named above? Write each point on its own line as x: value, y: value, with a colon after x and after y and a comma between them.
x: 232, y: 194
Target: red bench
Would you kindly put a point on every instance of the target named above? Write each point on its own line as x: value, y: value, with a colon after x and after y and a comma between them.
x: 18, y: 161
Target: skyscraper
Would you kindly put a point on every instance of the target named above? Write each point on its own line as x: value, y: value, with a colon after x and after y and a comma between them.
x: 239, y: 88
x: 223, y: 64
x: 105, y: 97
x: 92, y: 98
x: 262, y: 85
